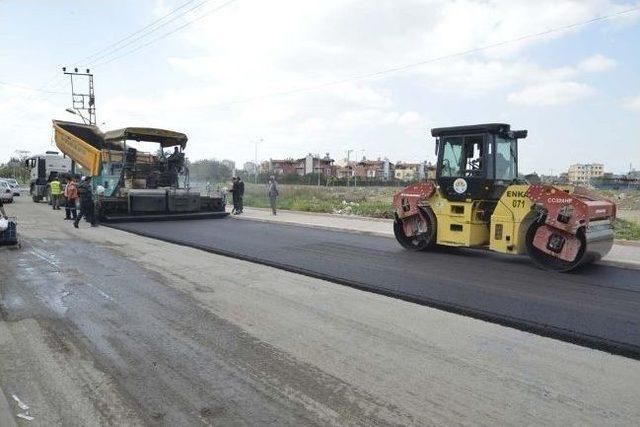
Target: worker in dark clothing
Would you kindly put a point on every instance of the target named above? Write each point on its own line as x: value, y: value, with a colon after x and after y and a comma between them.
x: 86, y: 203
x: 240, y: 195
x: 235, y: 191
x: 173, y: 157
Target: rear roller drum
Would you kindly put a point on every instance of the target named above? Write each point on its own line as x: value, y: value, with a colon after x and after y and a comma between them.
x: 550, y: 262
x: 425, y: 222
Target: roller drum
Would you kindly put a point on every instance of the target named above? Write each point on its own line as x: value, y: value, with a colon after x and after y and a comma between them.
x: 595, y: 242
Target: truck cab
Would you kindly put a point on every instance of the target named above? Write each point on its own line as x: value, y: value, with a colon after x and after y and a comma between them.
x: 43, y: 168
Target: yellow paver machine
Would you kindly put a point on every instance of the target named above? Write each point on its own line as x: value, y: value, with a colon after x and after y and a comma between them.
x: 477, y: 200
x: 135, y: 185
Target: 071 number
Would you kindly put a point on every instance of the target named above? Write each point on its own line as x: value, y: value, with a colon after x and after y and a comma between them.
x: 518, y: 203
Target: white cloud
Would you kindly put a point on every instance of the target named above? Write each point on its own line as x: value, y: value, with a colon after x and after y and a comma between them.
x: 633, y: 103
x: 549, y: 94
x: 219, y: 69
x: 597, y: 63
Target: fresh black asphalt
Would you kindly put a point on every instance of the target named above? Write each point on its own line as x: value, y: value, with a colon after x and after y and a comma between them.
x: 597, y: 306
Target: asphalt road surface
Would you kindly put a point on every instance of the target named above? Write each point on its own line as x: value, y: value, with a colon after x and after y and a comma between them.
x: 144, y: 353
x: 598, y: 306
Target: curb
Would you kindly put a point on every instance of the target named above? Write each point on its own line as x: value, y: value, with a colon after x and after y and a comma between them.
x: 325, y: 214
x: 631, y: 265
x: 315, y: 226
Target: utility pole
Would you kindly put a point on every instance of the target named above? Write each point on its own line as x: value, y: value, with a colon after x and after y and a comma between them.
x: 82, y: 100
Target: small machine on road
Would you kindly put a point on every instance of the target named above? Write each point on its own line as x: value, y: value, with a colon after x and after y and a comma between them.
x: 477, y: 200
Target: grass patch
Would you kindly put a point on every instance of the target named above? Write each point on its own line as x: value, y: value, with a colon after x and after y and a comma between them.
x: 362, y: 201
x: 627, y: 230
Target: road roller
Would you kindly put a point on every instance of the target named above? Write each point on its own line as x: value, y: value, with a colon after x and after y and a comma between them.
x: 478, y: 200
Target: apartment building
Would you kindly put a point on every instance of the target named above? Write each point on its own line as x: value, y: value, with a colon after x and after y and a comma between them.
x: 583, y: 173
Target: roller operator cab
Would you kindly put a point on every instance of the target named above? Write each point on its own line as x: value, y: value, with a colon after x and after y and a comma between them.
x: 478, y: 200
x: 476, y: 162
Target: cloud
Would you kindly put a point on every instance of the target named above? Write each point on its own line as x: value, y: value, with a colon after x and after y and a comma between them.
x: 597, y: 63
x: 549, y: 94
x: 633, y: 103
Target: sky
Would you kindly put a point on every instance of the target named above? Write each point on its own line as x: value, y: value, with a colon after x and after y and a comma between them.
x: 290, y: 77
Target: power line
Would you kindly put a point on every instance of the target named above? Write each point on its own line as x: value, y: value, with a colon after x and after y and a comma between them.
x: 151, y: 24
x: 400, y: 68
x: 58, y: 77
x: 166, y: 34
x: 61, y: 80
x: 145, y: 34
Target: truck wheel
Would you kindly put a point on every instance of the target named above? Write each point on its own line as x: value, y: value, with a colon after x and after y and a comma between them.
x: 420, y: 242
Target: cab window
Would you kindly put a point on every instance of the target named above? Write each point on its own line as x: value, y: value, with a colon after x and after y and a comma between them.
x: 451, y: 156
x: 462, y: 156
x: 506, y: 159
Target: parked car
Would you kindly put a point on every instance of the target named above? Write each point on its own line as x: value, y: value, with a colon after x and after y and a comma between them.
x: 13, y: 184
x: 6, y: 193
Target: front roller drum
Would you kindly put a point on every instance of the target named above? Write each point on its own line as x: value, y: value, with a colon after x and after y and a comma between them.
x: 544, y: 245
x: 417, y: 232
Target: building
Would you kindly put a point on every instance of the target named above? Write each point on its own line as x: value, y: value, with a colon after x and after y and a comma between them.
x: 280, y: 167
x: 315, y: 164
x: 347, y: 170
x: 304, y: 166
x: 375, y: 169
x: 584, y: 173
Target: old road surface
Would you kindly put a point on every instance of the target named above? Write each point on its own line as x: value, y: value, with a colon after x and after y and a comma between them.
x: 597, y: 307
x: 103, y: 327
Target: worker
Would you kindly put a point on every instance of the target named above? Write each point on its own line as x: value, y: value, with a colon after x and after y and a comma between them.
x: 272, y: 192
x: 234, y: 195
x: 54, y: 185
x: 173, y: 157
x: 240, y: 194
x: 86, y: 203
x: 71, y: 197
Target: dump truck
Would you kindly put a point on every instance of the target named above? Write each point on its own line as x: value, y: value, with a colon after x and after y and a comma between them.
x: 43, y: 168
x: 132, y: 185
x: 478, y: 200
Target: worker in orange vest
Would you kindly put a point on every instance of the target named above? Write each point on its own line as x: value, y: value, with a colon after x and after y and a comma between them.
x: 71, y: 194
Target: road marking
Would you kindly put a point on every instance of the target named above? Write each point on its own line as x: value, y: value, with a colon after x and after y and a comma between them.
x: 101, y: 292
x: 46, y: 257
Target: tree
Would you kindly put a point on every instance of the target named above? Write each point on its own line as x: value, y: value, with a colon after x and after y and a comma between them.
x: 209, y: 170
